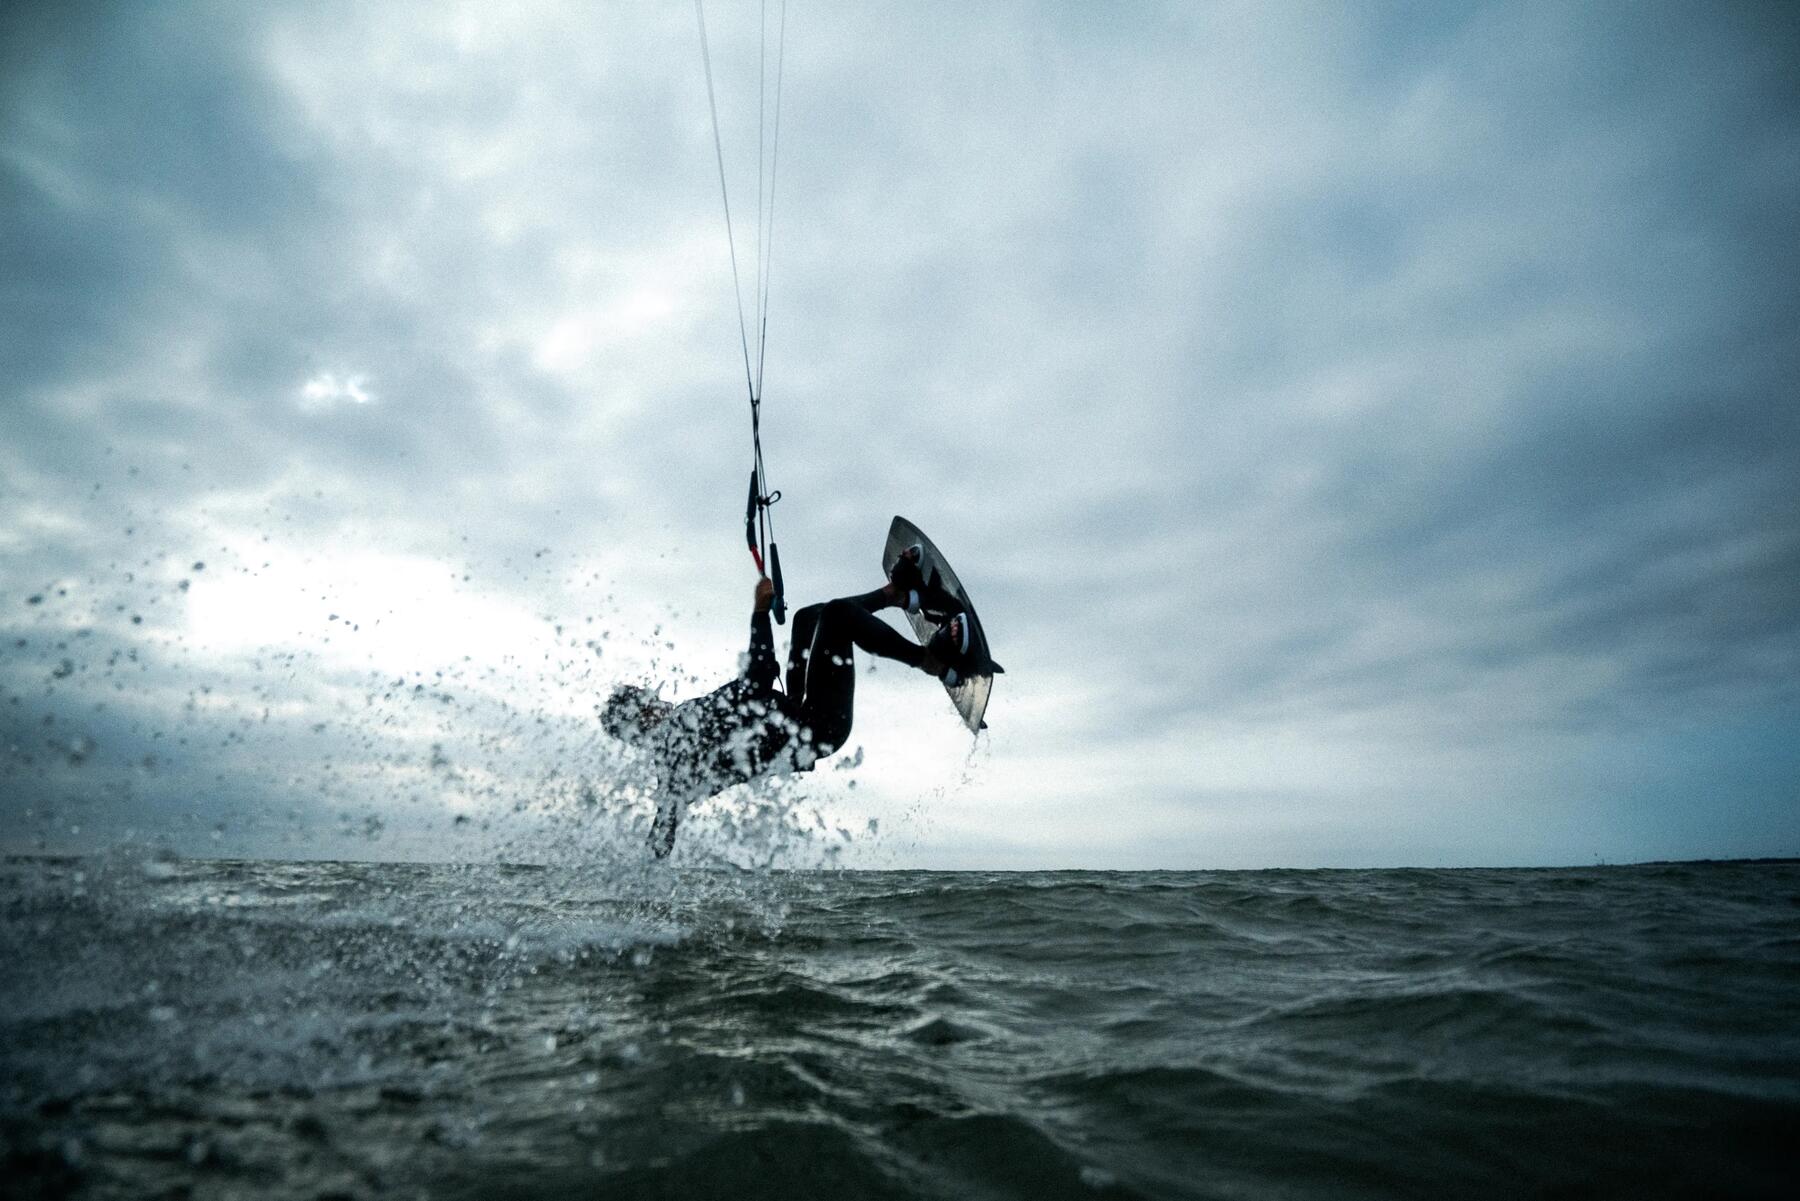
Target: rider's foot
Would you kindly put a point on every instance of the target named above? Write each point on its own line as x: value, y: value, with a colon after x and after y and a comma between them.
x: 947, y: 654
x: 933, y: 666
x: 906, y: 583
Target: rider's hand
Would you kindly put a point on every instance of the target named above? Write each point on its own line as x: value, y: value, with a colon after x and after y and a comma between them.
x: 765, y: 594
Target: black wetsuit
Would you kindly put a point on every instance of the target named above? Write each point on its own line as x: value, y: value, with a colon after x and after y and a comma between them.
x: 749, y: 727
x: 821, y: 673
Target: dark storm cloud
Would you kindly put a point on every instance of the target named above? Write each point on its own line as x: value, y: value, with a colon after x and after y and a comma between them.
x: 190, y: 251
x: 122, y: 132
x: 1560, y: 327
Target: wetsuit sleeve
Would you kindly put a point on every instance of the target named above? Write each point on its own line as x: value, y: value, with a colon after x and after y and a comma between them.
x: 762, y: 668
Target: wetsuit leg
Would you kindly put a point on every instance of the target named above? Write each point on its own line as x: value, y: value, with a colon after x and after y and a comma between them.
x: 821, y: 672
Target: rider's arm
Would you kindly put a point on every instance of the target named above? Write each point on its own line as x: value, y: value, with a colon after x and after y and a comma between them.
x: 762, y: 669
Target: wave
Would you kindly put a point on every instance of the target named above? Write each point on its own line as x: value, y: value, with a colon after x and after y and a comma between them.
x: 299, y: 1029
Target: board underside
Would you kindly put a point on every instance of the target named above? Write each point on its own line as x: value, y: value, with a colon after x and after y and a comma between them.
x: 971, y: 695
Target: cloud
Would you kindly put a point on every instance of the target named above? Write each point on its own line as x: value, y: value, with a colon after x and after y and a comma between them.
x: 326, y: 391
x: 1330, y: 410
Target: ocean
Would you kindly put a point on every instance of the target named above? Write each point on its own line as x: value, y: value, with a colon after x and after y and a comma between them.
x: 205, y: 1028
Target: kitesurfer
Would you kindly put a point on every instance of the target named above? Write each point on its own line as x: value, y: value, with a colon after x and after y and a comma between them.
x: 750, y: 727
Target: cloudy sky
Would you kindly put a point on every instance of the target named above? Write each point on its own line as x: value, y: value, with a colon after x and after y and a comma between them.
x: 1369, y: 431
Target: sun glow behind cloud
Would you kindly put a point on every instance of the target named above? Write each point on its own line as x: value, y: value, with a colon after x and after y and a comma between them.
x: 327, y: 390
x: 573, y: 340
x: 389, y: 611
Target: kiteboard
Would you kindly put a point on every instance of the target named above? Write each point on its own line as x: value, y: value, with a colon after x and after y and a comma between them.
x: 970, y: 695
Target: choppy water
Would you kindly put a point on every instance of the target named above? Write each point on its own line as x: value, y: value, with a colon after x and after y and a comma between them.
x: 279, y: 1029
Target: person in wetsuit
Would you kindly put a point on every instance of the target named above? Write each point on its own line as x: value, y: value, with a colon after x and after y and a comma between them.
x: 749, y: 727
